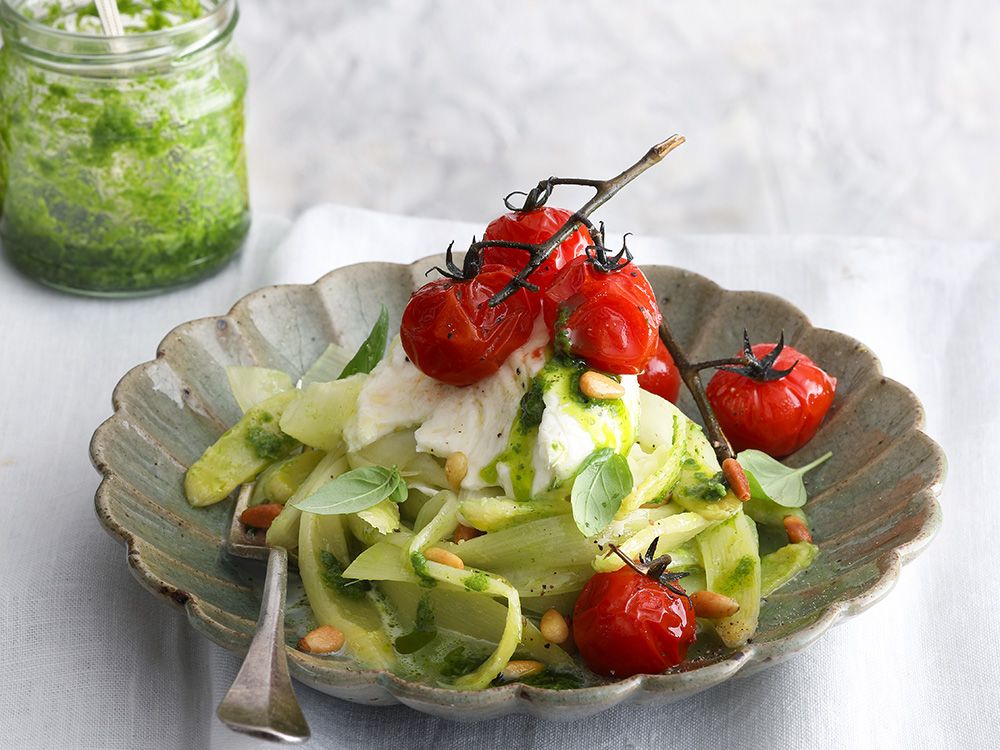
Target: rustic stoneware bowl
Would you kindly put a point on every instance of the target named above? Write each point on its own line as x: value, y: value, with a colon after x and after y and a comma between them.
x: 873, y: 505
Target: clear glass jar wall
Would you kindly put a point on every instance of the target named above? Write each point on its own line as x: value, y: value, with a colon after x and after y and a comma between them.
x: 122, y: 162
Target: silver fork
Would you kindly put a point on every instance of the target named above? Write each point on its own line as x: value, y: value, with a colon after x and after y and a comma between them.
x: 261, y: 701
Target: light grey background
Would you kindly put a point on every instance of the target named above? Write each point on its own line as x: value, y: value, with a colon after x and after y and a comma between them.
x: 828, y: 116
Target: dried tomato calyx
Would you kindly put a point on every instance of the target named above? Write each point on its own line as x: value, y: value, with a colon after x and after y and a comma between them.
x: 761, y: 369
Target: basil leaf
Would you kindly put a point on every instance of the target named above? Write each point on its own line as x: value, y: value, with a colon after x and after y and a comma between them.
x: 370, y: 352
x: 772, y: 480
x: 598, y: 490
x: 355, y: 490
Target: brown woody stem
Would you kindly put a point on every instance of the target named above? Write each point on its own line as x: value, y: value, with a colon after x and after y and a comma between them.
x: 691, y: 375
x: 604, y: 191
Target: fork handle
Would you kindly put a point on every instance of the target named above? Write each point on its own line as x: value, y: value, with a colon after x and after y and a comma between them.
x: 261, y: 700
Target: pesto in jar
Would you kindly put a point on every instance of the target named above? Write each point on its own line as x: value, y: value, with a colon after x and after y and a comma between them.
x: 127, y: 175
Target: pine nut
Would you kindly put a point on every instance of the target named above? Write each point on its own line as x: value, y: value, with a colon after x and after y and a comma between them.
x: 521, y: 668
x: 443, y: 556
x: 553, y: 626
x: 712, y: 605
x: 737, y: 478
x: 797, y: 530
x: 260, y: 516
x: 323, y: 640
x: 595, y: 385
x: 464, y: 533
x: 455, y: 469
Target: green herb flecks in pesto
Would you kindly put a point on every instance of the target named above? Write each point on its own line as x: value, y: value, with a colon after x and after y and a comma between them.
x: 553, y: 680
x: 738, y: 577
x: 424, y: 629
x: 269, y: 444
x: 332, y: 573
x: 478, y: 581
x: 127, y: 183
x: 557, y: 385
x: 419, y: 563
x: 461, y: 661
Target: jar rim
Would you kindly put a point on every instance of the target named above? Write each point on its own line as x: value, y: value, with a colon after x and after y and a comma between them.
x: 46, y: 43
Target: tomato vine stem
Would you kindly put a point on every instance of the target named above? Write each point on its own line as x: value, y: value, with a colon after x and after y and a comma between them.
x: 691, y: 375
x: 604, y: 191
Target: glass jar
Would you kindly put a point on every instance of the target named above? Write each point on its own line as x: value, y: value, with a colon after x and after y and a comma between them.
x: 122, y: 163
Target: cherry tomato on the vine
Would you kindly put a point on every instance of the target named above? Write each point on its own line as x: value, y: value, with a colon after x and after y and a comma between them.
x: 661, y: 375
x: 451, y: 334
x: 535, y: 227
x: 625, y: 623
x: 775, y: 416
x: 611, y: 319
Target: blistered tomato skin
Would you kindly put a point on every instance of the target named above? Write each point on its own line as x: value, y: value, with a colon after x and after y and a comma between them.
x: 625, y: 624
x: 611, y: 320
x: 451, y: 334
x: 535, y: 227
x: 661, y: 375
x: 779, y: 416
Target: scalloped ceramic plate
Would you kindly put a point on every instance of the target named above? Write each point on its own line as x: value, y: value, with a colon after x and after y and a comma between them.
x: 872, y: 506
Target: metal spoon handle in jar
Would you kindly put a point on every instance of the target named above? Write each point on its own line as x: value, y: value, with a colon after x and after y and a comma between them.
x: 261, y: 700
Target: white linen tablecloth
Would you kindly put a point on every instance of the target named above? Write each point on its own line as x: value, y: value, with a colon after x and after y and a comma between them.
x: 88, y: 659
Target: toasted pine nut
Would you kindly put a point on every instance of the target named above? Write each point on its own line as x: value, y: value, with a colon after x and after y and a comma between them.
x: 595, y: 385
x: 455, y: 469
x: 443, y: 556
x: 553, y: 626
x: 260, y: 516
x: 797, y: 530
x: 520, y: 668
x: 737, y: 478
x: 323, y: 640
x: 464, y: 533
x: 712, y: 605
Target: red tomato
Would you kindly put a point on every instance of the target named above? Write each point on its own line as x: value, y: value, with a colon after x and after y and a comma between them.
x: 776, y: 416
x: 451, y: 334
x: 535, y: 227
x: 661, y: 375
x: 625, y: 623
x: 612, y: 319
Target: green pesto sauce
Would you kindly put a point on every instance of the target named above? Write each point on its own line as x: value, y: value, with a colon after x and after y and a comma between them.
x: 332, y: 573
x: 269, y: 443
x: 122, y: 184
x: 553, y: 680
x: 419, y: 563
x: 478, y: 581
x: 424, y: 629
x: 461, y: 661
x: 607, y: 422
x: 737, y: 578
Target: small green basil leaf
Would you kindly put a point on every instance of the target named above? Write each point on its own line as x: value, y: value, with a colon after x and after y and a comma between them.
x: 354, y: 490
x: 370, y: 352
x: 401, y: 491
x: 772, y: 480
x: 598, y: 490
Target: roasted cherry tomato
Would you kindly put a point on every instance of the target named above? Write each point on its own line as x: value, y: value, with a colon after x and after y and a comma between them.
x: 451, y: 334
x: 535, y: 227
x: 775, y: 416
x: 626, y: 623
x: 661, y: 375
x: 607, y: 318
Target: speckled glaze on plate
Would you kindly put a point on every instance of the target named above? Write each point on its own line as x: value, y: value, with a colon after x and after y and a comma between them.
x: 873, y: 506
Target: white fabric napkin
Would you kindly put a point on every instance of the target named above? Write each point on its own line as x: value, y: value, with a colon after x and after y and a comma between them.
x: 90, y: 660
